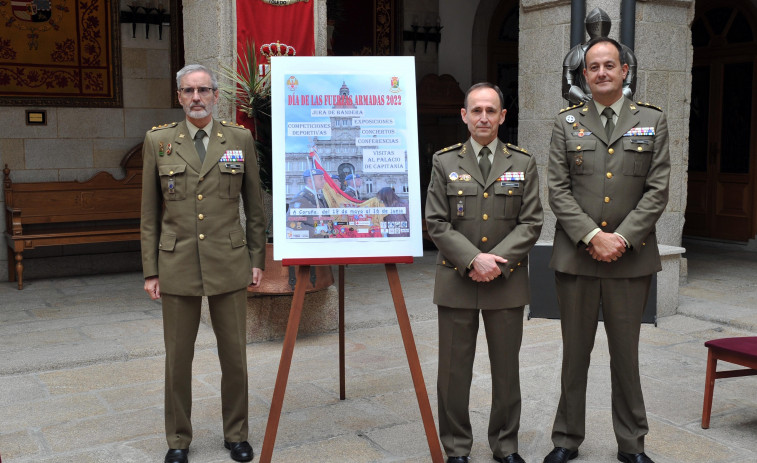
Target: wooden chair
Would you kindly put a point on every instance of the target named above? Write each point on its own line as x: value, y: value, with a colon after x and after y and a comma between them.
x: 740, y: 351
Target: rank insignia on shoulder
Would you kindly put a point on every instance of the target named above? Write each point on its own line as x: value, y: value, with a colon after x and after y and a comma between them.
x: 449, y: 148
x: 517, y: 148
x: 164, y: 126
x: 571, y: 107
x: 648, y: 105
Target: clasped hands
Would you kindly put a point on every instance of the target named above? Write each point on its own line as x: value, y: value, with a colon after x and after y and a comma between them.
x: 484, y: 267
x: 606, y: 247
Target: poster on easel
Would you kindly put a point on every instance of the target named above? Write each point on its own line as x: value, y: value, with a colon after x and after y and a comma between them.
x: 345, y: 158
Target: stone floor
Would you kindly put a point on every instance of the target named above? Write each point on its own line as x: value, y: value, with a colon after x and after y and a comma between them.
x: 81, y: 375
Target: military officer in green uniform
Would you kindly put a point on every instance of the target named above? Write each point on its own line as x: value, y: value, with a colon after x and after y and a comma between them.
x: 609, y: 168
x: 194, y: 245
x: 484, y: 215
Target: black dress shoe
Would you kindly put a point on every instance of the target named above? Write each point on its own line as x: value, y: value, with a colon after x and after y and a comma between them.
x: 512, y: 458
x: 458, y: 459
x: 240, y: 451
x: 176, y: 456
x: 560, y: 455
x: 634, y: 457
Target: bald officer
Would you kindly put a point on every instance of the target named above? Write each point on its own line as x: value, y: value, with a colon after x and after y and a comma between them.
x: 484, y: 215
x: 608, y: 184
x: 194, y: 245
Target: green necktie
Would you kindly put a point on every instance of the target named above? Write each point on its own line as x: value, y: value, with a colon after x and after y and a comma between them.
x: 199, y: 145
x: 484, y: 163
x: 609, y: 125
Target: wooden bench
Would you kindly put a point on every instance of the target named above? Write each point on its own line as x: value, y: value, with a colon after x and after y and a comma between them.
x: 99, y: 210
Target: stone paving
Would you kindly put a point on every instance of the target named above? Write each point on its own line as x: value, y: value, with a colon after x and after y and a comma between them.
x: 81, y: 375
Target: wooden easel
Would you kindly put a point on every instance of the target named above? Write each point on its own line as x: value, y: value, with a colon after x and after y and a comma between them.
x: 288, y: 348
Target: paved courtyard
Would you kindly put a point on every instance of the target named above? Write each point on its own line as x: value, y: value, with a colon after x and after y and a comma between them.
x: 81, y: 375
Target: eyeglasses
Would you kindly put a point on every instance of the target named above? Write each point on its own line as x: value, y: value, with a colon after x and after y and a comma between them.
x: 189, y: 91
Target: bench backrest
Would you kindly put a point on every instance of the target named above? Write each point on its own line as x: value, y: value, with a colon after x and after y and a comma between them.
x: 100, y: 198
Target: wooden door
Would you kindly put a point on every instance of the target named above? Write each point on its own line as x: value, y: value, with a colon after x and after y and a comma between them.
x: 722, y: 123
x: 503, y: 63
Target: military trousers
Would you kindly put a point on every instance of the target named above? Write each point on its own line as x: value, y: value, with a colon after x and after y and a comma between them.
x: 458, y: 329
x: 181, y: 320
x: 623, y: 301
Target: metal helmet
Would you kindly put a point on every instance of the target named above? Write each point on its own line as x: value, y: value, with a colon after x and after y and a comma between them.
x: 598, y: 23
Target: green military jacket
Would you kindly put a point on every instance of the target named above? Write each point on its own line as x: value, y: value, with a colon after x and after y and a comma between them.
x: 467, y: 214
x: 192, y: 236
x: 618, y: 184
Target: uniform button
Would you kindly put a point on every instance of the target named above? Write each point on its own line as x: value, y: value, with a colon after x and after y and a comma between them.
x: 202, y: 237
x: 486, y: 217
x: 455, y: 268
x: 199, y: 197
x: 578, y: 147
x: 170, y: 172
x: 643, y: 244
x: 607, y: 199
x: 486, y: 195
x: 202, y: 178
x: 604, y: 224
x: 444, y: 262
x: 233, y: 171
x: 512, y: 270
x: 509, y: 192
x: 609, y: 175
x: 640, y: 148
x: 611, y: 151
x: 484, y: 239
x: 459, y: 192
x: 518, y: 264
x: 201, y: 216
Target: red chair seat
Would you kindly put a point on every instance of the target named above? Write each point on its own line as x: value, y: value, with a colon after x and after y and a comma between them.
x: 740, y: 351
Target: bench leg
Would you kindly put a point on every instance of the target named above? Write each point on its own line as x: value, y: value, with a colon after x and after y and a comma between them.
x: 20, y: 270
x: 11, y: 265
x: 709, y: 386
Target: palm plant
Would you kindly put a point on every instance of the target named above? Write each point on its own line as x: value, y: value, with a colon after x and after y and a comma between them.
x: 251, y: 94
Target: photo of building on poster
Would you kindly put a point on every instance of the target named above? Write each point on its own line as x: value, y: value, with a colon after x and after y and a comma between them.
x: 346, y: 156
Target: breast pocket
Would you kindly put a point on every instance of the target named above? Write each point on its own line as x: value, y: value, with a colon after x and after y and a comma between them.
x: 231, y: 179
x: 637, y: 156
x: 173, y: 181
x: 581, y: 156
x: 462, y: 200
x: 508, y: 197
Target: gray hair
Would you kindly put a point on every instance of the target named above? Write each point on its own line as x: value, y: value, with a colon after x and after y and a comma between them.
x: 190, y: 68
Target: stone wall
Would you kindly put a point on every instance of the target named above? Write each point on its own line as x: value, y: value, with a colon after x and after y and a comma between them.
x: 664, y: 54
x: 78, y: 142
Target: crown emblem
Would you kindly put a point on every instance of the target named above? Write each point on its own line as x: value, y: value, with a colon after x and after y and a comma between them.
x: 276, y: 49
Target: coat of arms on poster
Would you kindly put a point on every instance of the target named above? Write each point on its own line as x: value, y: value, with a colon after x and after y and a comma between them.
x: 345, y: 157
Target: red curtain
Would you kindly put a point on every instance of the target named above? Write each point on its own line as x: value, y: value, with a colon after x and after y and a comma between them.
x: 264, y: 23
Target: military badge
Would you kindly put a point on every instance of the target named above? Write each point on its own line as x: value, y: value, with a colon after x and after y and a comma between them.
x: 168, y: 149
x: 579, y: 160
x: 160, y: 148
x: 570, y: 118
x: 453, y: 176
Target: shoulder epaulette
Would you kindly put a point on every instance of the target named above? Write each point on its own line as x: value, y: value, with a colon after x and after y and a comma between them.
x: 164, y: 126
x: 518, y: 149
x: 648, y: 105
x: 232, y: 124
x: 449, y: 148
x: 572, y: 107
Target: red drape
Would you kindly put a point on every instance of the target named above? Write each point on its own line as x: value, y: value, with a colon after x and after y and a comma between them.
x: 263, y: 23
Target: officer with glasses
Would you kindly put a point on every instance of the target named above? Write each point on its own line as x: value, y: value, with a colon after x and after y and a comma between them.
x: 193, y: 245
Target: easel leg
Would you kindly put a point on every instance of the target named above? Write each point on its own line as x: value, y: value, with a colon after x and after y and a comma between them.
x: 414, y: 363
x: 342, y: 394
x: 282, y: 377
